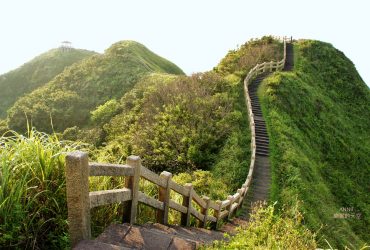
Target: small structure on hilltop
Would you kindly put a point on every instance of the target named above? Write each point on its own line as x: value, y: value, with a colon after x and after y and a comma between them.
x: 66, y: 46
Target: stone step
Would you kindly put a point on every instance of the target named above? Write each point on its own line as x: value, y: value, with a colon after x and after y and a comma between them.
x: 262, y: 146
x: 261, y: 140
x: 261, y: 130
x: 151, y: 236
x: 262, y: 152
x: 262, y: 136
x: 259, y: 123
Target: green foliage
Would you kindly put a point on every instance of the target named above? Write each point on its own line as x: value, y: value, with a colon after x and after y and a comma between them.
x: 204, y: 183
x: 318, y: 122
x: 103, y: 113
x: 232, y: 162
x: 94, y: 136
x: 33, y: 209
x: 3, y: 127
x: 176, y: 124
x: 35, y: 74
x: 68, y: 99
x: 255, y: 51
x: 269, y: 230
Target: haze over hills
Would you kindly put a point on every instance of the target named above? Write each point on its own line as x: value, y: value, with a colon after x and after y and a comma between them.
x: 68, y: 99
x: 35, y: 74
x: 132, y: 101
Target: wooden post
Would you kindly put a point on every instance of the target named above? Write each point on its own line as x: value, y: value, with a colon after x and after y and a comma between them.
x: 204, y: 211
x: 216, y: 214
x: 240, y: 201
x: 186, y: 201
x: 78, y: 201
x: 228, y: 208
x: 245, y: 191
x: 132, y: 183
x: 271, y: 65
x: 164, y: 196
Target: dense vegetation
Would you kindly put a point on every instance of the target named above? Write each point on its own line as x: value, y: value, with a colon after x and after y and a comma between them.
x: 194, y: 126
x: 130, y: 101
x: 35, y: 74
x: 318, y: 122
x: 33, y: 206
x: 268, y: 229
x: 68, y: 99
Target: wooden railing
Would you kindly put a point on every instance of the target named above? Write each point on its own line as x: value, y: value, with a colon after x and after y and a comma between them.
x: 80, y: 200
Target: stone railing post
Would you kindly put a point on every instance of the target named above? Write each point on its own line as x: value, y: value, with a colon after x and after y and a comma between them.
x: 132, y: 183
x: 216, y: 214
x: 164, y: 196
x: 204, y: 211
x: 228, y: 207
x: 78, y: 201
x: 240, y: 200
x: 186, y: 202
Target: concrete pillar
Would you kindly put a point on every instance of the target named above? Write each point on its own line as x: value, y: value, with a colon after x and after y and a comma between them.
x: 78, y: 201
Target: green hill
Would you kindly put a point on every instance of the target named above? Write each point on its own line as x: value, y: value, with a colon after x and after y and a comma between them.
x: 67, y: 100
x: 196, y: 127
x: 318, y: 122
x: 35, y: 74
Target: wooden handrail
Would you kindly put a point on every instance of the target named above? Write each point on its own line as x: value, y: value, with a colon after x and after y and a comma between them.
x: 80, y: 200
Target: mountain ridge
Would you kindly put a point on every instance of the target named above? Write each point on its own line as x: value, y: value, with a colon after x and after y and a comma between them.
x: 79, y: 89
x: 35, y: 73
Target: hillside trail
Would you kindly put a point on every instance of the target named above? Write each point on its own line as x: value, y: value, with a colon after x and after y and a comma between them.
x: 261, y: 180
x: 157, y: 236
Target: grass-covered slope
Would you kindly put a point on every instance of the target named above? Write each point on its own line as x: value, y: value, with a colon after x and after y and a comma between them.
x: 319, y: 127
x: 67, y: 100
x: 186, y: 123
x: 36, y: 73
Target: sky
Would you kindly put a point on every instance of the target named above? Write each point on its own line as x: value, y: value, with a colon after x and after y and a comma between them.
x: 194, y: 34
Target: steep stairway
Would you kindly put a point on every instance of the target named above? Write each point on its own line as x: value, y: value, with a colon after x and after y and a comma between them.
x: 289, y: 63
x: 157, y: 236
x: 262, y: 177
x: 150, y: 236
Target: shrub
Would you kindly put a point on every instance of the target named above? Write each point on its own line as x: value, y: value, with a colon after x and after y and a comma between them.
x: 103, y: 113
x: 270, y: 230
x: 33, y: 207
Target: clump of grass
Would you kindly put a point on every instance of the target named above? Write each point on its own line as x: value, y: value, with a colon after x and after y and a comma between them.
x: 33, y: 208
x: 317, y: 119
x: 268, y: 229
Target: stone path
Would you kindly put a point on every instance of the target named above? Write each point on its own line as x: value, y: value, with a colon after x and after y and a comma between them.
x: 150, y: 236
x: 158, y: 236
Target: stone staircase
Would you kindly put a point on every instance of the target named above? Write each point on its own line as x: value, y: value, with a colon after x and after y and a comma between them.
x: 157, y: 236
x: 289, y: 63
x: 150, y: 236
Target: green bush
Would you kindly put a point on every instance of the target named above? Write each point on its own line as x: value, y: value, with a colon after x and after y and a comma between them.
x: 103, y: 113
x: 241, y: 60
x: 176, y: 125
x: 33, y: 209
x: 270, y: 230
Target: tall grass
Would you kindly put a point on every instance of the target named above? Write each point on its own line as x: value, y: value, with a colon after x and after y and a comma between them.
x: 33, y: 208
x: 269, y: 229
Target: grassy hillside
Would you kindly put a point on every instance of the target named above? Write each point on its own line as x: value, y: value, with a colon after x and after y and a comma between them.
x: 177, y: 123
x: 67, y: 100
x: 318, y: 121
x: 182, y: 123
x: 35, y: 74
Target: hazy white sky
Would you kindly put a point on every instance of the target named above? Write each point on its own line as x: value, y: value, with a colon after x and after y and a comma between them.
x: 193, y: 34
